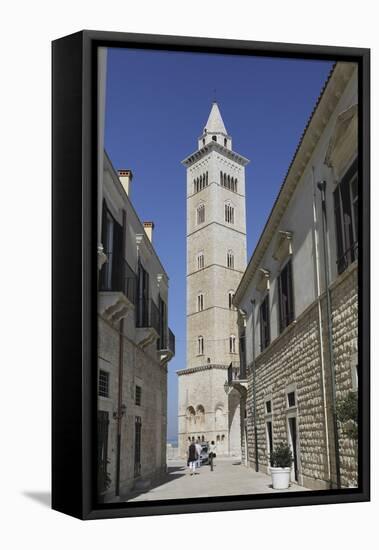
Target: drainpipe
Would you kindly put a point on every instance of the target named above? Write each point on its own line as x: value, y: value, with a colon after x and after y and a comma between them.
x: 254, y: 389
x: 318, y: 293
x: 322, y: 186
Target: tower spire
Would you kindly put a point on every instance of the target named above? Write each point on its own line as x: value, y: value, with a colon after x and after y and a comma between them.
x: 215, y: 124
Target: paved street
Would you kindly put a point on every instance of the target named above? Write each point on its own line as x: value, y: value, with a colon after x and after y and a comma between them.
x: 228, y: 478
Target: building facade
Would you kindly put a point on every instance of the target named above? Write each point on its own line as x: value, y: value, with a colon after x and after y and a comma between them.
x: 216, y: 260
x: 298, y: 302
x: 134, y: 344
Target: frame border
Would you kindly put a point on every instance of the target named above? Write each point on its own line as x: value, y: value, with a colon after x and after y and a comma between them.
x: 74, y: 327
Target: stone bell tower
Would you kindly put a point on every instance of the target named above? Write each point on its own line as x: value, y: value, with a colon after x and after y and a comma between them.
x: 216, y: 260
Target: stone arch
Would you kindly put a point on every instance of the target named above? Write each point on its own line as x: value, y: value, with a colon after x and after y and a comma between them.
x: 200, y: 414
x: 190, y: 418
x: 219, y: 417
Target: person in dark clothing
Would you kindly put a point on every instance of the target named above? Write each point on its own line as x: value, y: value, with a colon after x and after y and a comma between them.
x: 192, y: 457
x: 212, y: 454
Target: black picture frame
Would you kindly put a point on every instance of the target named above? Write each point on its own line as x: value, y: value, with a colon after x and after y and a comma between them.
x: 74, y: 152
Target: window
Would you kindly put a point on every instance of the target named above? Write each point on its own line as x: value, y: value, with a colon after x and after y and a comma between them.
x: 229, y: 213
x: 230, y: 298
x: 225, y: 142
x: 346, y: 219
x: 230, y: 259
x: 291, y: 399
x: 162, y: 308
x: 268, y: 405
x: 142, y: 297
x: 200, y: 302
x: 285, y: 293
x: 264, y: 322
x: 214, y: 138
x: 112, y: 274
x: 232, y: 344
x: 200, y: 260
x: 103, y: 383
x: 200, y: 345
x: 138, y: 395
x: 218, y: 438
x: 201, y: 214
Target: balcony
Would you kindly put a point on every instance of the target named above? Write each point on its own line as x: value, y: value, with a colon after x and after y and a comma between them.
x: 147, y: 322
x: 117, y: 289
x: 166, y: 349
x: 237, y: 377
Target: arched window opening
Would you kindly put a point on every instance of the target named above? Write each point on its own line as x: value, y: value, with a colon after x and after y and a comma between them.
x: 200, y: 302
x: 222, y: 437
x: 200, y: 413
x: 214, y: 138
x: 225, y: 142
x: 202, y: 438
x: 224, y: 180
x: 206, y: 178
x: 200, y: 345
x: 229, y: 213
x: 235, y: 185
x: 232, y: 344
x: 203, y: 141
x: 200, y: 260
x: 230, y: 299
x: 221, y: 178
x: 230, y: 259
x: 228, y: 182
x: 201, y: 213
x: 218, y: 438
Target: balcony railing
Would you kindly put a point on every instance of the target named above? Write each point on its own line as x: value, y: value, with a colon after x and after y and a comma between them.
x: 118, y: 276
x: 171, y: 341
x: 236, y: 373
x: 147, y: 314
x: 347, y: 258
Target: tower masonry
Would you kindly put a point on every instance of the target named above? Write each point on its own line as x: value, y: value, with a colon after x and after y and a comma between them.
x: 216, y: 260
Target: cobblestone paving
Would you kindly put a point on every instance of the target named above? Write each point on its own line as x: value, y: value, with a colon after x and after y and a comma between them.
x: 228, y: 478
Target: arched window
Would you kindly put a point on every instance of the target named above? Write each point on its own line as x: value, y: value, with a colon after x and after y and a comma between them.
x: 203, y: 141
x: 225, y: 142
x: 194, y: 186
x: 228, y: 182
x: 202, y: 438
x: 214, y: 138
x: 218, y: 438
x: 224, y: 180
x: 230, y: 259
x: 201, y: 213
x: 229, y: 213
x: 221, y: 178
x: 235, y: 185
x: 232, y: 184
x: 200, y: 302
x: 200, y: 413
x: 200, y: 260
x: 230, y: 298
x: 190, y: 414
x: 232, y: 344
x: 206, y: 178
x: 200, y: 345
x: 222, y: 437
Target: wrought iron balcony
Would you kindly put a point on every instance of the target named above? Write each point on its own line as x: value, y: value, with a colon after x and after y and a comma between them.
x: 117, y: 276
x: 166, y: 347
x: 117, y: 289
x: 147, y: 320
x: 237, y: 377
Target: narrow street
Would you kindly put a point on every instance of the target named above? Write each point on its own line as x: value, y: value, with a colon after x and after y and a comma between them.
x: 228, y: 478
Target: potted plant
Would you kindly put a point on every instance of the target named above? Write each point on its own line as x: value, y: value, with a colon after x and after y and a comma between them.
x: 281, y: 460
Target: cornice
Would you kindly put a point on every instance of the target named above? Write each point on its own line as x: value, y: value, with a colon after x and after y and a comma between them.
x: 201, y: 368
x: 325, y: 105
x: 214, y: 146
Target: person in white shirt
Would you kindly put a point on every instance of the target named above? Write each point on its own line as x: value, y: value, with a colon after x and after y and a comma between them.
x: 198, y: 449
x: 212, y: 454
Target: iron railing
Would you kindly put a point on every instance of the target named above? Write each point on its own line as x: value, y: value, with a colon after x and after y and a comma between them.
x: 147, y: 314
x: 348, y: 257
x: 118, y: 276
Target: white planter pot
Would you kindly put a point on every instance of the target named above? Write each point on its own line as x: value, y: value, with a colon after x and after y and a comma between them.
x: 280, y: 477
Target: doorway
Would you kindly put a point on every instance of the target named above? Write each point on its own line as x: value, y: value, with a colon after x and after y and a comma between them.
x: 293, y: 442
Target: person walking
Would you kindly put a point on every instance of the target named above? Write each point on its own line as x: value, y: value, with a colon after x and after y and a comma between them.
x: 212, y: 454
x: 198, y: 449
x: 192, y: 457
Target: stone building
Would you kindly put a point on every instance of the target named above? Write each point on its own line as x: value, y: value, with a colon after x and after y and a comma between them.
x: 298, y: 301
x: 134, y: 344
x: 216, y: 260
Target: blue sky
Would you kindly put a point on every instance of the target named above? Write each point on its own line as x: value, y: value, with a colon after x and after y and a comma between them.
x: 157, y: 104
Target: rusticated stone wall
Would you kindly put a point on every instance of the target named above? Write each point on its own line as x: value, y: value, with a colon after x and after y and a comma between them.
x: 293, y: 363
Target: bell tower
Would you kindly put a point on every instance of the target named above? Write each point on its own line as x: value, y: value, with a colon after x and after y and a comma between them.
x: 216, y: 260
